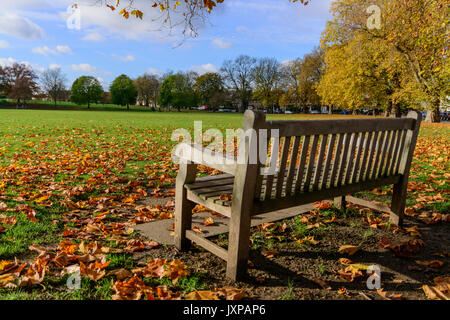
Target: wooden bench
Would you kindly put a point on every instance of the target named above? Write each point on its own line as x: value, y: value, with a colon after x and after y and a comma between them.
x: 315, y: 160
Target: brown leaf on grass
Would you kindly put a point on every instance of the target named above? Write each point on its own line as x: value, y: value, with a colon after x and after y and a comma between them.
x: 120, y: 273
x: 165, y: 294
x: 405, y: 249
x: 442, y: 254
x: 62, y: 259
x: 230, y: 293
x: 132, y: 289
x: 432, y: 264
x: 9, y: 220
x: 94, y: 270
x: 201, y: 295
x: 282, y: 228
x: 134, y: 245
x: 94, y: 228
x: 397, y: 296
x: 3, y: 206
x: 35, y: 273
x: 267, y: 226
x: 269, y: 253
x: 11, y: 268
x: 6, y: 281
x: 343, y: 291
x: 29, y: 212
x: 345, y: 261
x: 350, y: 273
x: 158, y: 268
x: 414, y: 231
x: 309, y: 239
x: 441, y: 290
x: 68, y: 246
x: 348, y: 249
x: 155, y: 268
x: 313, y: 226
x: 383, y: 294
x: 321, y: 205
x: 40, y: 249
x: 176, y: 270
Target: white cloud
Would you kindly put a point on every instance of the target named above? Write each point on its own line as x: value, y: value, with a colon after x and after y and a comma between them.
x: 85, y: 67
x: 4, y: 44
x: 45, y: 51
x: 54, y: 66
x: 5, y: 62
x: 205, y: 68
x: 13, y: 25
x: 49, y: 51
x: 127, y: 58
x: 94, y: 36
x: 107, y: 23
x: 219, y: 43
x: 64, y: 49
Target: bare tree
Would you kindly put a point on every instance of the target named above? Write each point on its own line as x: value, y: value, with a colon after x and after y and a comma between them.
x: 237, y: 74
x: 54, y: 84
x: 290, y: 78
x: 266, y: 77
x: 148, y: 87
x: 3, y: 81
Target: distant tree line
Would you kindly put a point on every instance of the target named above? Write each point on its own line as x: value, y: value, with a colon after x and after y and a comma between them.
x: 263, y: 83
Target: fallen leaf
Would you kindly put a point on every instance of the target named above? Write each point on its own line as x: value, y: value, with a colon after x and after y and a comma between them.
x: 269, y: 253
x: 348, y: 249
x: 201, y: 295
x: 231, y: 293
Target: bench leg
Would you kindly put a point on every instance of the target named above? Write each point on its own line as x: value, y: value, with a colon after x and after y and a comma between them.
x: 238, y: 245
x: 183, y: 207
x: 398, y: 202
x: 183, y: 222
x: 340, y: 203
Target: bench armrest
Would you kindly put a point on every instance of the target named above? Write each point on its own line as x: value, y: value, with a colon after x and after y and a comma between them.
x: 194, y: 153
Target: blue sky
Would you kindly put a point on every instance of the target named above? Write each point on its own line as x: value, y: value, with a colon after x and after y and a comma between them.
x: 106, y: 45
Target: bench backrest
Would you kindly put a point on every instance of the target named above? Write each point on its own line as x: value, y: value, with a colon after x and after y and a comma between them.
x: 315, y: 155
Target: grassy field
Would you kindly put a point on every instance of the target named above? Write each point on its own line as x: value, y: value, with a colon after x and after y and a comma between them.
x: 77, y: 176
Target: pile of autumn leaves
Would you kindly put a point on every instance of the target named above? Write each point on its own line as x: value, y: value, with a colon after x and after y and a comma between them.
x: 88, y: 260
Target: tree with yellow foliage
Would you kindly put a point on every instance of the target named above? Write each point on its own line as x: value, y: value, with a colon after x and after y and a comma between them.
x: 412, y: 37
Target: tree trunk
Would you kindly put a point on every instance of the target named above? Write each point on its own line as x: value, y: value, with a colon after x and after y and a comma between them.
x: 330, y: 110
x: 433, y: 114
x: 388, y: 110
x: 128, y: 107
x: 89, y: 104
x: 396, y: 111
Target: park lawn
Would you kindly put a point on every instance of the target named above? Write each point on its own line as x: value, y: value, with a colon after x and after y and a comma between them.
x: 79, y: 176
